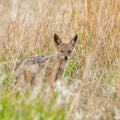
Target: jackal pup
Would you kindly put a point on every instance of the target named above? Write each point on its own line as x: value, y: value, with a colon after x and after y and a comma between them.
x: 33, y: 71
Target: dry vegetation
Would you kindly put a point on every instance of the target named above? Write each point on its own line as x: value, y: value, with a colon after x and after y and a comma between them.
x: 27, y: 28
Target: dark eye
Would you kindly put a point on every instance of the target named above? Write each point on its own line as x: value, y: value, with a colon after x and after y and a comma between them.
x: 69, y: 51
x: 61, y: 51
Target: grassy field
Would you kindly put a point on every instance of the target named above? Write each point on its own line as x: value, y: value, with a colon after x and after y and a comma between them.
x: 90, y: 87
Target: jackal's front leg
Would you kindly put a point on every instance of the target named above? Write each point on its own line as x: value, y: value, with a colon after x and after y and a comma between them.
x: 52, y: 85
x: 50, y: 79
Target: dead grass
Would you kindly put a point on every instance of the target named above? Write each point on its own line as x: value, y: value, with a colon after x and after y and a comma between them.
x: 27, y: 28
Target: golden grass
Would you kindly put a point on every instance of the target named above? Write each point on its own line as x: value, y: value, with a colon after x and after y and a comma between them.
x: 29, y: 28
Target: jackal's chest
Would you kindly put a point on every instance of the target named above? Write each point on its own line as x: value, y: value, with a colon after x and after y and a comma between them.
x: 54, y: 70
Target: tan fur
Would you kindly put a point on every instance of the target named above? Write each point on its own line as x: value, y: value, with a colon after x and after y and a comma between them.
x: 33, y: 71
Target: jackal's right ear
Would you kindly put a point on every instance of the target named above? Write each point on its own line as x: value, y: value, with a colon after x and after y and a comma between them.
x: 57, y: 40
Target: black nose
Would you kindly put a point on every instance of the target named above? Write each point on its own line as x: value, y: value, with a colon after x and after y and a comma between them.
x: 66, y: 58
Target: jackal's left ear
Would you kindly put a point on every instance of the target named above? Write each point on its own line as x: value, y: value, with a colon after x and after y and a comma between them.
x: 74, y: 40
x: 57, y: 40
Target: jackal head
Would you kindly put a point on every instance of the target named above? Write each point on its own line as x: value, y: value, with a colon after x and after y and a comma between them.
x: 64, y: 50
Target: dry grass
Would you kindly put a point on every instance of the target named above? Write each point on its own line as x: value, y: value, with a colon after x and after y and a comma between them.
x: 27, y: 27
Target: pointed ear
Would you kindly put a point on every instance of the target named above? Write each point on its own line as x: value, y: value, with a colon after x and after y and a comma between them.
x: 74, y: 40
x: 57, y: 40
